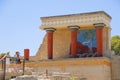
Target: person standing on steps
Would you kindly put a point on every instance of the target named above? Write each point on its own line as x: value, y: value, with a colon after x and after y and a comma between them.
x: 17, y: 61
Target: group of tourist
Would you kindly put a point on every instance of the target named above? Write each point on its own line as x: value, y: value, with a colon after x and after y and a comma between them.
x: 17, y: 60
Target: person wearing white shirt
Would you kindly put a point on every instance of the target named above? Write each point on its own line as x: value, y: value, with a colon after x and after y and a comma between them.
x: 7, y: 57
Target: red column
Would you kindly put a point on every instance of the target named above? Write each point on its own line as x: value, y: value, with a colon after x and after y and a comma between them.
x: 99, y: 37
x: 50, y: 42
x: 26, y: 54
x: 74, y: 30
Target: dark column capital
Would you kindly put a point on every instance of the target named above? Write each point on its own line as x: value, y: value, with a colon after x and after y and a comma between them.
x: 50, y: 29
x: 74, y: 27
x: 99, y: 25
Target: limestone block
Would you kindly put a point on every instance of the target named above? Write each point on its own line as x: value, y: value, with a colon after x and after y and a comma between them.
x: 26, y: 77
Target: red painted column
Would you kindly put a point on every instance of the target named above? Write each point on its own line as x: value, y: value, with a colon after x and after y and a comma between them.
x: 74, y: 30
x: 26, y: 54
x: 99, y: 37
x: 50, y: 42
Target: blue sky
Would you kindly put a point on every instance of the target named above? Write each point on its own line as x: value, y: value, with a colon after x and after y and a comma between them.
x: 20, y: 19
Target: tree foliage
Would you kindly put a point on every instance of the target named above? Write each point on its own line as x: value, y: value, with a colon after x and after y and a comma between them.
x: 115, y: 44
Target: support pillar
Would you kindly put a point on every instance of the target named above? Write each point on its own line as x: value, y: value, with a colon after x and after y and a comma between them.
x: 50, y: 42
x: 73, y: 49
x: 26, y: 54
x: 99, y: 37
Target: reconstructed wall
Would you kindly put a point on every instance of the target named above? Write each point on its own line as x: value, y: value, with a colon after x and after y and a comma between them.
x: 98, y: 68
x: 106, y: 41
x: 61, y: 45
x: 115, y: 67
x: 61, y: 37
x: 89, y: 68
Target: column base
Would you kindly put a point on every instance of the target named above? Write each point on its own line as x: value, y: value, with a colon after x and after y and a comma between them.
x: 73, y: 56
x: 50, y: 58
x: 99, y: 55
x: 27, y: 59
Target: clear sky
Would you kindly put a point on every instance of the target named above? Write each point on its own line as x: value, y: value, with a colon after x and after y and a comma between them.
x: 20, y: 19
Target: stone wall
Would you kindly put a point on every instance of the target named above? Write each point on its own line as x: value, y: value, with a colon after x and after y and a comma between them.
x: 97, y: 68
x: 61, y: 45
x: 42, y: 51
x: 89, y: 68
x: 115, y: 67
